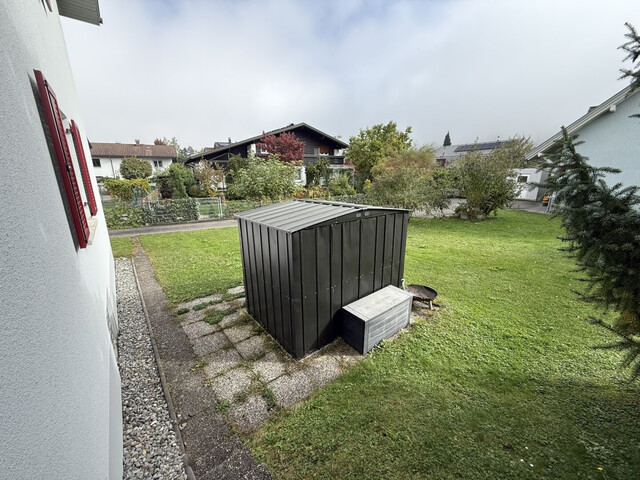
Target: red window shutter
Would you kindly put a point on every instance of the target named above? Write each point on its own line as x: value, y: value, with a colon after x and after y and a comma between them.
x: 86, y: 178
x: 54, y: 121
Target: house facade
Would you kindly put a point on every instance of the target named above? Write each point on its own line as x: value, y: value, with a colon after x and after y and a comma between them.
x: 60, y: 397
x: 611, y: 138
x: 107, y: 157
x: 317, y: 144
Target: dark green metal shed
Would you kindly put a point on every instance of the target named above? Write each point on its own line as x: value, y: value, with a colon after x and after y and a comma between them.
x: 304, y: 260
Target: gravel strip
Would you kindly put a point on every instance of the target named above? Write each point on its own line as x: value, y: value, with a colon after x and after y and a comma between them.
x: 150, y: 445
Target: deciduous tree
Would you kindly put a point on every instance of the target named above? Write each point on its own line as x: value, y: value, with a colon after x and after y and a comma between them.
x: 264, y: 178
x: 288, y: 148
x: 373, y: 145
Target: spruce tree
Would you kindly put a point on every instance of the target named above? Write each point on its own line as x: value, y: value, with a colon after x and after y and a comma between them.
x: 602, y: 227
x: 447, y: 140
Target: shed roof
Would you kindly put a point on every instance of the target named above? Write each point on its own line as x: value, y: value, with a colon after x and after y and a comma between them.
x: 301, y: 214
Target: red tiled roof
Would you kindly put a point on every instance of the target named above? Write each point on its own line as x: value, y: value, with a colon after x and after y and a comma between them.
x: 132, y: 150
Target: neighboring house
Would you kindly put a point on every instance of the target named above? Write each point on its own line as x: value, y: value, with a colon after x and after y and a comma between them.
x: 317, y: 145
x: 526, y: 177
x: 60, y: 396
x: 446, y: 155
x: 107, y: 157
x: 611, y: 138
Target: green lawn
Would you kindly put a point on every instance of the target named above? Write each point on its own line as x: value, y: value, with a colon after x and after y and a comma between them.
x: 193, y: 264
x: 500, y: 383
x: 122, y: 247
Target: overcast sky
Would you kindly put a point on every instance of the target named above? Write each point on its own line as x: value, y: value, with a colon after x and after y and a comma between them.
x: 206, y: 70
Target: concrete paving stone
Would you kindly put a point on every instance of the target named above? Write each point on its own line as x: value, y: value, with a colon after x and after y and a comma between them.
x: 344, y: 353
x: 198, y: 329
x: 252, y: 347
x: 236, y: 290
x: 289, y: 389
x: 211, y: 298
x: 238, y: 333
x: 261, y: 472
x: 210, y: 343
x: 239, y: 302
x: 221, y: 361
x: 191, y: 317
x: 270, y: 367
x: 239, y: 464
x: 230, y: 319
x: 321, y: 370
x: 249, y: 415
x: 227, y: 386
x: 221, y: 306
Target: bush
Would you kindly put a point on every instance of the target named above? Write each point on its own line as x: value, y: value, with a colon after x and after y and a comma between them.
x: 171, y: 211
x: 264, y: 178
x: 196, y: 191
x: 127, y: 190
x: 123, y: 215
x: 341, y: 186
x: 133, y: 167
x: 180, y: 179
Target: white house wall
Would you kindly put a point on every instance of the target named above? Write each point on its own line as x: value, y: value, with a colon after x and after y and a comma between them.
x: 613, y: 140
x: 59, y: 382
x: 110, y: 167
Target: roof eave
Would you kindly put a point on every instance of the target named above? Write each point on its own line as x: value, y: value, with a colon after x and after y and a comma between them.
x: 589, y: 117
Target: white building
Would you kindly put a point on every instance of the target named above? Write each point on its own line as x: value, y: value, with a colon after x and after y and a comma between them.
x: 107, y: 157
x: 611, y: 138
x: 59, y: 383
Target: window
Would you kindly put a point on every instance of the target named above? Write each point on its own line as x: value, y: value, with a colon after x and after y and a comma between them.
x: 53, y: 118
x: 321, y: 150
x: 157, y: 163
x: 523, y: 178
x: 84, y: 170
x: 96, y: 162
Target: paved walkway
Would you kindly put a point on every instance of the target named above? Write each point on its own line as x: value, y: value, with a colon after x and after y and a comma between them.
x: 174, y: 227
x: 525, y: 205
x: 213, y: 450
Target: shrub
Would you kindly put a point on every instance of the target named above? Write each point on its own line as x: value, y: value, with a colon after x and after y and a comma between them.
x: 127, y: 190
x: 125, y: 216
x: 341, y: 186
x: 264, y: 178
x: 174, y: 210
x: 180, y: 179
x: 133, y: 167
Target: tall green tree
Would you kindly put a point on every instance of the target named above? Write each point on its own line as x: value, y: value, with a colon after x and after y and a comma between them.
x: 447, y: 140
x: 602, y: 225
x: 373, y: 145
x: 180, y: 179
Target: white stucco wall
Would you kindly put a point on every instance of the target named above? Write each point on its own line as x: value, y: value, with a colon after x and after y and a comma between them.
x: 529, y: 191
x: 613, y: 140
x: 60, y: 404
x: 110, y: 166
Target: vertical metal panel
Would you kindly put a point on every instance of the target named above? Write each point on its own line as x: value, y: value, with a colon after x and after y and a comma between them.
x: 335, y: 259
x: 295, y: 280
x: 350, y: 261
x: 367, y: 255
x: 254, y: 297
x: 323, y: 279
x: 285, y: 294
x: 266, y: 265
x: 379, y: 252
x: 403, y: 246
x: 246, y: 264
x: 274, y: 268
x: 388, y: 249
x: 397, y: 246
x: 309, y: 289
x: 257, y: 249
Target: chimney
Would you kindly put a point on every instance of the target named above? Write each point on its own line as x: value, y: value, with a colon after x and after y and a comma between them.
x: 137, y: 142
